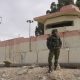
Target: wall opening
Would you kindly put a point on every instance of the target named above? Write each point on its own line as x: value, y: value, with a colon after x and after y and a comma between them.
x: 59, y: 24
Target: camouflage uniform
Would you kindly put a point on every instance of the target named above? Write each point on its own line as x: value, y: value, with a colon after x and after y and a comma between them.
x: 54, y: 44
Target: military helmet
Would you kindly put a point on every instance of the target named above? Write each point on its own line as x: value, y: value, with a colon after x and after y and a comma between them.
x: 54, y: 30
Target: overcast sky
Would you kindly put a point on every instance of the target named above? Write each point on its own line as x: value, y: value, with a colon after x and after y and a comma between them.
x: 14, y: 14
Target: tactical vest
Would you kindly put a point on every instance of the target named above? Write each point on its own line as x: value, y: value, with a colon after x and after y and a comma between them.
x: 53, y: 42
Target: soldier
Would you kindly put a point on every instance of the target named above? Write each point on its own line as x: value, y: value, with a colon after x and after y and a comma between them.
x: 54, y: 44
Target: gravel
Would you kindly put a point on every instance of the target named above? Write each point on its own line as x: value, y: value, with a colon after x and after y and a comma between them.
x: 38, y: 73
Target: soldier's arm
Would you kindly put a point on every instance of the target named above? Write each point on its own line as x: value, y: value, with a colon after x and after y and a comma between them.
x: 60, y: 42
x: 48, y: 43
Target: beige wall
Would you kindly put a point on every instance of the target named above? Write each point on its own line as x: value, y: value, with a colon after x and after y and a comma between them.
x: 2, y: 54
x: 59, y: 19
x: 75, y: 55
x: 63, y: 18
x: 19, y: 53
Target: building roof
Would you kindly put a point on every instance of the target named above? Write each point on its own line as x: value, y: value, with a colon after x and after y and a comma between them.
x: 69, y: 10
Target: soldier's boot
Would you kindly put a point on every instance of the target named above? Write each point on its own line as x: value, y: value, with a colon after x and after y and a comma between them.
x: 55, y: 65
x: 50, y: 69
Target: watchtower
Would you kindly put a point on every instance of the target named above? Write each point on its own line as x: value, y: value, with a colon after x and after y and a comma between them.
x: 67, y: 19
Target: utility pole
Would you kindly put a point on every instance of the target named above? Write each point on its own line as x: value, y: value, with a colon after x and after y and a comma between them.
x: 37, y: 51
x: 29, y: 21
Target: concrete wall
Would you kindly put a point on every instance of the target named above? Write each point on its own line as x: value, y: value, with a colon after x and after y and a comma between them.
x: 20, y: 54
x: 2, y: 54
x: 75, y: 26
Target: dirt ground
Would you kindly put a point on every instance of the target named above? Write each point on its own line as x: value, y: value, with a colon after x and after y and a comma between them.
x: 38, y: 73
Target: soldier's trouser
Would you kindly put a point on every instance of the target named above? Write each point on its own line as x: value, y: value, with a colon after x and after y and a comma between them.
x: 56, y: 53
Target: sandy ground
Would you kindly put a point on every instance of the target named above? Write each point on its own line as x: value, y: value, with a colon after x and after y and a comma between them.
x: 38, y: 73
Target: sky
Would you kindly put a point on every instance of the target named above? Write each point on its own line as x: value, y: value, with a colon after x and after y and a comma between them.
x: 15, y: 13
